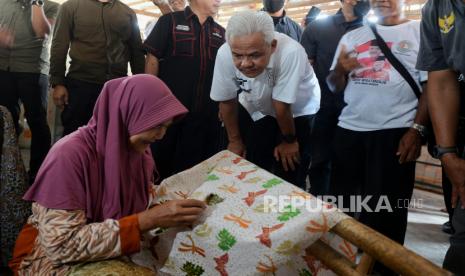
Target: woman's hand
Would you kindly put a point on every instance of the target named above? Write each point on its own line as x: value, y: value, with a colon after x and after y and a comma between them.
x: 171, y: 214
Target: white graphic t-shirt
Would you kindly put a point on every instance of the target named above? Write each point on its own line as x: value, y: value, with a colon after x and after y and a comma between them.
x: 377, y: 96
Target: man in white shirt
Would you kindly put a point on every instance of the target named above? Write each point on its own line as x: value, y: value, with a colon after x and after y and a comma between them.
x: 379, y: 131
x: 268, y: 73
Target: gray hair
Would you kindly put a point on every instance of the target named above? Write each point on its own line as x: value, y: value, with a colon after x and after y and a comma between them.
x: 249, y: 22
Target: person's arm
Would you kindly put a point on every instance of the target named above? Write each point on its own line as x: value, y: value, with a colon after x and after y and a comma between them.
x: 60, y: 44
x: 137, y: 59
x: 151, y: 64
x: 410, y: 144
x: 58, y: 54
x: 229, y: 114
x: 287, y: 153
x: 41, y: 25
x: 156, y: 44
x: 444, y: 104
x: 66, y: 237
x: 309, y: 42
x: 337, y: 78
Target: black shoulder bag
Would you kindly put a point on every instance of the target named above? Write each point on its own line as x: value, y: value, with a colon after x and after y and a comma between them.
x: 430, y: 140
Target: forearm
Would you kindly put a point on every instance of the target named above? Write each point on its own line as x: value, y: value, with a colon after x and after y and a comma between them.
x: 151, y: 65
x: 60, y: 46
x: 66, y: 237
x: 422, y: 117
x: 443, y: 104
x: 336, y: 81
x: 40, y: 24
x: 284, y: 117
x: 229, y: 114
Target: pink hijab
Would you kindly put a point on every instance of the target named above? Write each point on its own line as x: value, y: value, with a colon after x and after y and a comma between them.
x: 93, y: 169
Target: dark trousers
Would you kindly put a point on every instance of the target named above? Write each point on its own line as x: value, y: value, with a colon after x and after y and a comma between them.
x: 365, y: 164
x: 447, y: 193
x: 455, y: 256
x: 81, y: 101
x: 262, y: 136
x: 31, y: 89
x: 321, y: 147
x: 186, y: 143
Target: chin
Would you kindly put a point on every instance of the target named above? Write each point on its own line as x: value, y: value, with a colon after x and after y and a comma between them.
x: 252, y: 74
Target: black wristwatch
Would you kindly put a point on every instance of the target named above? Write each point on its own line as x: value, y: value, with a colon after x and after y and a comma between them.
x: 439, y: 151
x: 39, y: 3
x: 290, y: 138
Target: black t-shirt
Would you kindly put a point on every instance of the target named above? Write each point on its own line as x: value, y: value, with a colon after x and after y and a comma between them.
x: 442, y: 36
x: 320, y: 40
x: 186, y: 52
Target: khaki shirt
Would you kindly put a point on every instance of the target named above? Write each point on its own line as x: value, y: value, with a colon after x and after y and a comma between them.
x: 101, y: 39
x: 29, y: 53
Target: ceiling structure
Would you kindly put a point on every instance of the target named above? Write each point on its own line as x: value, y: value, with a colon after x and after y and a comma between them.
x: 296, y: 9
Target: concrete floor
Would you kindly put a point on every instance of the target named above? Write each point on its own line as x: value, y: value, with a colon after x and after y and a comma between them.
x: 424, y: 235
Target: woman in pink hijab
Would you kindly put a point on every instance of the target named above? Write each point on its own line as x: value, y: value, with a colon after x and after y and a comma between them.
x: 92, y: 193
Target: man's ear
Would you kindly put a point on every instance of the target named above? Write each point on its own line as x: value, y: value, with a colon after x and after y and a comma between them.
x: 274, y: 44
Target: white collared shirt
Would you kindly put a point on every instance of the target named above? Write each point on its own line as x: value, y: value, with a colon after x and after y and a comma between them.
x: 288, y: 78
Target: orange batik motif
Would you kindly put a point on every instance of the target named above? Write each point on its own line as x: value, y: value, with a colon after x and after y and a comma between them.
x: 264, y: 237
x: 316, y: 227
x: 191, y: 247
x: 267, y: 268
x: 238, y: 219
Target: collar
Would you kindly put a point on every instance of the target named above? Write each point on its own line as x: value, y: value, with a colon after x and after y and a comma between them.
x: 282, y: 19
x: 339, y: 19
x: 189, y: 14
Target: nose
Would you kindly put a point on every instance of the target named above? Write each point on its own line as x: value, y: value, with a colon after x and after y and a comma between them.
x: 246, y: 62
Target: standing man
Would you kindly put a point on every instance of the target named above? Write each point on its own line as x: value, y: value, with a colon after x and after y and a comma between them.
x: 102, y: 36
x: 182, y: 51
x: 25, y: 27
x: 442, y: 55
x: 282, y: 23
x: 379, y: 133
x: 320, y: 40
x: 267, y: 72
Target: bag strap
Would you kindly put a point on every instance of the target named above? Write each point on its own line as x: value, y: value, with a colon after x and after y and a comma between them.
x: 395, y: 62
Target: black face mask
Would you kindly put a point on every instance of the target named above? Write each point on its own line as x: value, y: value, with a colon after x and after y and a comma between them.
x: 272, y: 6
x: 361, y: 8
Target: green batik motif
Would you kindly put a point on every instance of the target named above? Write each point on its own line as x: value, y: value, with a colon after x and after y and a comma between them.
x: 287, y: 248
x: 226, y: 240
x: 192, y: 269
x: 305, y: 272
x: 213, y: 199
x: 212, y: 177
x: 288, y: 213
x: 271, y: 183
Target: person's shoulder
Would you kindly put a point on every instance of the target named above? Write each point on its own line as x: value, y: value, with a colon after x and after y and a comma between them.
x: 70, y: 4
x: 224, y: 52
x: 288, y: 47
x: 218, y: 26
x: 124, y: 7
x: 51, y: 4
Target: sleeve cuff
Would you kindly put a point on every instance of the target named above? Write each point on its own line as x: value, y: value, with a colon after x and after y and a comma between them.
x: 54, y: 81
x: 129, y: 234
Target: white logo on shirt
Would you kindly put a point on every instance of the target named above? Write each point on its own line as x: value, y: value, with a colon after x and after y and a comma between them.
x: 217, y: 35
x: 182, y: 28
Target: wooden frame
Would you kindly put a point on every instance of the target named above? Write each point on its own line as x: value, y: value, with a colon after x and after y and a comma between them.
x: 376, y: 247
